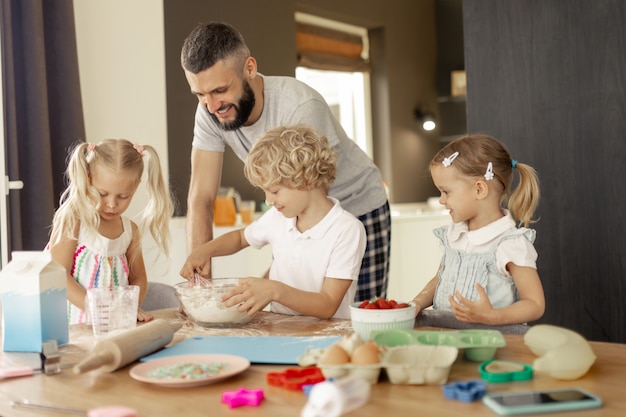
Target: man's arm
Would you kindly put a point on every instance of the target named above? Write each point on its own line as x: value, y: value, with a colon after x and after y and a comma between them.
x: 206, y: 174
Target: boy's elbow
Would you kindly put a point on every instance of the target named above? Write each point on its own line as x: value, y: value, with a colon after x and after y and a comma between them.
x: 327, y: 314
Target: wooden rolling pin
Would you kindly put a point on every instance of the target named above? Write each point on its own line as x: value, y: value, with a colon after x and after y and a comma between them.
x: 117, y: 351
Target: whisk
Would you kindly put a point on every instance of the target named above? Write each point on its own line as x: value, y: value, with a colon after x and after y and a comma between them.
x: 199, y: 281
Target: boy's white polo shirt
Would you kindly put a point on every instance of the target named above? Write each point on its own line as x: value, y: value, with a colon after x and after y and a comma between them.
x: 332, y: 248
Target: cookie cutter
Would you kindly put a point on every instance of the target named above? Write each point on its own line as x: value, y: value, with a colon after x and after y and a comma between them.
x: 295, y: 378
x: 50, y: 358
x: 243, y: 396
x: 505, y: 371
x: 466, y: 391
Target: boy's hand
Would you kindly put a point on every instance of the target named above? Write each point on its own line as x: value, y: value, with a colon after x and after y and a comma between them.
x: 252, y: 295
x: 196, y: 263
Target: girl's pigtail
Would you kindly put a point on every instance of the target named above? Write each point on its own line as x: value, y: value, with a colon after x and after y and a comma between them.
x: 157, y: 214
x: 525, y: 199
x: 76, y: 202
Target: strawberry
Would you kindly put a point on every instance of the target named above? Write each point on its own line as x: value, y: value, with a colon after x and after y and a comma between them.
x: 382, y: 304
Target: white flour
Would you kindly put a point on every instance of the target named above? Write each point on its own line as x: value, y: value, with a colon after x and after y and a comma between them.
x: 204, y: 309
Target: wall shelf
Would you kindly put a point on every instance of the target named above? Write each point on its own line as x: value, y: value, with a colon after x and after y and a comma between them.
x: 452, y: 99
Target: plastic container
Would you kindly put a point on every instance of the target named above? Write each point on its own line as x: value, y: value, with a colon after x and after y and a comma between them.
x: 411, y: 364
x: 334, y: 398
x: 563, y: 353
x: 478, y: 345
x: 419, y: 365
x: 365, y: 321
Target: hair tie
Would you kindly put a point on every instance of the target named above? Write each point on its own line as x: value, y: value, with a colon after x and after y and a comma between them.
x: 91, y: 146
x: 448, y: 161
x: 513, y: 163
x: 489, y: 172
x: 138, y: 148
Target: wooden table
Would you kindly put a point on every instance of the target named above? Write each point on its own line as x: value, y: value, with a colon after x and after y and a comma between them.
x: 90, y: 390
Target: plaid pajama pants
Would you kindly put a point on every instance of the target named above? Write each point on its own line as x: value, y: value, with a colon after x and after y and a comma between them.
x: 373, y: 277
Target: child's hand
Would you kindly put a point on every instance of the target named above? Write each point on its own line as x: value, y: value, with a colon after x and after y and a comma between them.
x: 252, y: 295
x: 143, y: 316
x: 472, y: 311
x: 196, y: 263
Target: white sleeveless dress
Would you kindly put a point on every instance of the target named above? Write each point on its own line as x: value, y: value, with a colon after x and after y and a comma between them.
x: 99, y: 262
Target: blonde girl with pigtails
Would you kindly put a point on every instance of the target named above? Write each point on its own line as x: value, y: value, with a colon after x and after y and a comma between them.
x: 90, y: 237
x: 488, y: 273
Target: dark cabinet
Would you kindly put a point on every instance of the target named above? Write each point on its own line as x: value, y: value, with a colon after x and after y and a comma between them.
x: 553, y: 89
x: 450, y: 57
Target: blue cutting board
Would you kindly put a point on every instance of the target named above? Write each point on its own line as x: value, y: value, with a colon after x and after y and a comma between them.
x: 257, y: 349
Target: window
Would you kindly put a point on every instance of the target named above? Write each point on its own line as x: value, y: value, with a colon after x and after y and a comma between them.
x: 334, y: 59
x: 347, y: 94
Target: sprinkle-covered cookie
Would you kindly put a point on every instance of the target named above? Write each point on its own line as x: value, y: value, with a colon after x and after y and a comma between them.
x: 188, y: 370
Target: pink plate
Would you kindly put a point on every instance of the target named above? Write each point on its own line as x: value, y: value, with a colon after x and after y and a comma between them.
x: 234, y: 366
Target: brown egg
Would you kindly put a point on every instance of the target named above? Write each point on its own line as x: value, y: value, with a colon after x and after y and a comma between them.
x: 366, y: 354
x: 334, y: 355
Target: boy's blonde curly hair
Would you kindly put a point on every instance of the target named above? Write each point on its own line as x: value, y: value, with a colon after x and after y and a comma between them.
x: 296, y: 157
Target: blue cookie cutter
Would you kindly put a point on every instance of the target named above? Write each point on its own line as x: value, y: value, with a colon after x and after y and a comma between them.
x: 466, y: 391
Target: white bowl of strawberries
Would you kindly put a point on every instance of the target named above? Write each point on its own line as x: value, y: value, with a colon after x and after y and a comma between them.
x: 381, y: 314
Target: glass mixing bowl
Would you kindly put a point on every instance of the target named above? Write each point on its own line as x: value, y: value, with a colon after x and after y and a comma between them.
x: 202, y: 303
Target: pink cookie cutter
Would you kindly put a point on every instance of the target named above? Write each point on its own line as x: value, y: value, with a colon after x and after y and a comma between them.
x: 243, y: 397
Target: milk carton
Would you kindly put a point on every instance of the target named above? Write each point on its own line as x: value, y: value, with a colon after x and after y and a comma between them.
x: 34, y: 302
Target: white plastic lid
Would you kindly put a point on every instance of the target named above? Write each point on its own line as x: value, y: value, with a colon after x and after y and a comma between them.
x: 325, y: 400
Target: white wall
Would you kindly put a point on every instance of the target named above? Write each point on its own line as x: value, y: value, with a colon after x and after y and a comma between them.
x: 121, y: 57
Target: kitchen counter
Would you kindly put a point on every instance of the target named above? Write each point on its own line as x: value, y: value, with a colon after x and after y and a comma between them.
x: 415, y: 251
x: 430, y: 208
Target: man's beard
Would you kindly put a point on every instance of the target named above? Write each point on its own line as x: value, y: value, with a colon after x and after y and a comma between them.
x: 243, y: 109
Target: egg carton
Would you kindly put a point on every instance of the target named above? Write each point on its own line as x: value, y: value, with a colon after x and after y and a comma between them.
x: 478, y: 345
x: 411, y: 364
x: 371, y: 373
x: 419, y: 364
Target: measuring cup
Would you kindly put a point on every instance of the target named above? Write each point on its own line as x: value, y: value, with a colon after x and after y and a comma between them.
x: 112, y: 309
